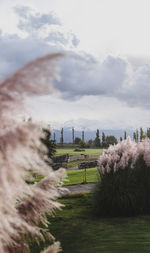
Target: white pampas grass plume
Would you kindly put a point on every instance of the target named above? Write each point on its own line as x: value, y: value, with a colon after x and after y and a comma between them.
x: 22, y: 206
x: 53, y: 249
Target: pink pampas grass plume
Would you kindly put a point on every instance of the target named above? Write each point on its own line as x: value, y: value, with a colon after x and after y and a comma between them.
x: 22, y: 206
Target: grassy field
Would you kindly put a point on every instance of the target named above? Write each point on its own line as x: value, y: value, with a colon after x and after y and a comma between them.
x: 76, y: 176
x: 75, y: 163
x: 90, y: 151
x: 80, y: 232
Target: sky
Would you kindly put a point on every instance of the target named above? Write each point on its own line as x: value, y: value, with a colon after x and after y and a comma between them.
x: 105, y: 75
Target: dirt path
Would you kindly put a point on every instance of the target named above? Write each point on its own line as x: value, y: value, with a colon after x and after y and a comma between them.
x: 79, y: 188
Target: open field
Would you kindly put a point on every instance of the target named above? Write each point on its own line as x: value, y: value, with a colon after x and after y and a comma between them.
x: 75, y: 163
x: 76, y: 176
x: 90, y: 151
x: 80, y: 232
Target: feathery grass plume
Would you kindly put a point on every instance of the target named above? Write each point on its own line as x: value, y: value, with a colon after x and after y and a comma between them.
x: 22, y: 206
x: 54, y: 248
x: 124, y: 188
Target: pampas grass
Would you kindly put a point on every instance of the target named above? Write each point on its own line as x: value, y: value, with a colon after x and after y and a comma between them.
x: 124, y: 188
x: 22, y: 206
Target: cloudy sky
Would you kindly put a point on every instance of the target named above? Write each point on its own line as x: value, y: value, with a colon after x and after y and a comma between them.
x: 105, y: 76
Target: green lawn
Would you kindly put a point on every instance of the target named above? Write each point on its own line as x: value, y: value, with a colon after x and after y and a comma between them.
x: 76, y: 162
x: 80, y: 232
x: 76, y: 176
x: 90, y: 151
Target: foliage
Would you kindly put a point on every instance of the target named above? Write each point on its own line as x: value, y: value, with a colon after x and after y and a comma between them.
x: 137, y: 135
x: 103, y: 140
x: 83, y: 136
x: 90, y: 143
x: 97, y: 139
x: 82, y: 144
x: 62, y: 137
x: 141, y: 134
x: 77, y: 140
x: 124, y: 188
x: 23, y: 206
x: 125, y: 135
x: 73, y: 135
x: 148, y: 132
x: 50, y: 144
x: 110, y: 140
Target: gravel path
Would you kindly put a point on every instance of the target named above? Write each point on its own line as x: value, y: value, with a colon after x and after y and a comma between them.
x: 75, y: 168
x: 79, y: 188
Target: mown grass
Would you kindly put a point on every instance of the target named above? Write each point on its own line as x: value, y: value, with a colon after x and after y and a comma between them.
x: 75, y: 163
x: 80, y: 232
x: 77, y: 176
x: 90, y: 151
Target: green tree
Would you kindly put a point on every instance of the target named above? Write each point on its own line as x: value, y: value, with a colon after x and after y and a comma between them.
x: 148, y: 132
x: 97, y: 139
x: 90, y: 143
x: 62, y: 137
x: 103, y: 140
x: 125, y: 135
x: 82, y: 143
x: 111, y: 140
x: 82, y: 136
x: 134, y: 136
x: 73, y: 135
x: 54, y: 137
x: 77, y: 140
x: 141, y: 134
x: 120, y: 138
x: 50, y: 144
x: 137, y: 135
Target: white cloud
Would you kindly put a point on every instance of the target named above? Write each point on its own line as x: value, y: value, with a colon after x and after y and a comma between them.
x: 30, y: 20
x: 90, y: 113
x: 116, y: 77
x: 17, y: 50
x: 113, y: 81
x: 83, y: 75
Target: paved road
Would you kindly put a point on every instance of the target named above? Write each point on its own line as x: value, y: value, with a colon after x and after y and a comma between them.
x: 79, y: 188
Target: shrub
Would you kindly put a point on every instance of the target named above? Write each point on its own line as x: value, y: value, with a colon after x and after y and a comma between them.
x: 124, y: 188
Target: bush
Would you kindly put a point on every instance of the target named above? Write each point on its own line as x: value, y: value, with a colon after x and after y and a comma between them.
x: 124, y: 189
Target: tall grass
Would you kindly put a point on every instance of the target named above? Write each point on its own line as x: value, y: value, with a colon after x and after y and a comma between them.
x: 22, y: 206
x: 124, y: 188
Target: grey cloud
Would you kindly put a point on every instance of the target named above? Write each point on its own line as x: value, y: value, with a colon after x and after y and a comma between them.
x: 33, y: 23
x: 31, y: 20
x: 83, y: 75
x: 137, y: 87
x: 15, y: 52
x: 66, y: 39
x: 114, y: 77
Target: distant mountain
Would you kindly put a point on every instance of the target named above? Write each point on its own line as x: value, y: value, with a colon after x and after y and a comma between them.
x: 89, y: 134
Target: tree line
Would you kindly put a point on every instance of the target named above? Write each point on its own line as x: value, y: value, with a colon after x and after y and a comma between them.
x: 98, y: 142
x: 104, y: 141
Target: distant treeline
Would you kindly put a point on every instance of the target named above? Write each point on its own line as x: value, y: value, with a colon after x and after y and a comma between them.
x: 100, y: 142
